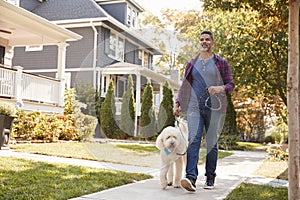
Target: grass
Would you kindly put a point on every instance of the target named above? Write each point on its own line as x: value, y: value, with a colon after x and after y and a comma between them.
x: 251, y: 145
x: 105, y: 152
x: 131, y: 154
x: 25, y: 179
x: 138, y: 148
x: 247, y: 191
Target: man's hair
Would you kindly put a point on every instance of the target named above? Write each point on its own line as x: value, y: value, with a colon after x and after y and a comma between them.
x: 209, y: 33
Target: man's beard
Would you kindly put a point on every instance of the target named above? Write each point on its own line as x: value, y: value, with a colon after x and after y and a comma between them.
x: 206, y: 48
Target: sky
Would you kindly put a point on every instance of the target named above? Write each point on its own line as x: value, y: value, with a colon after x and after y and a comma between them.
x: 155, y: 6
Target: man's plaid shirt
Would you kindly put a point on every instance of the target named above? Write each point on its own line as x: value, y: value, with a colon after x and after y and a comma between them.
x: 185, y: 89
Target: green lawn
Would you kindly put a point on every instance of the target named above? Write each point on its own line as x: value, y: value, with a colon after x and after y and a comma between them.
x: 106, y: 152
x: 251, y: 145
x: 25, y: 180
x: 132, y: 154
x: 247, y: 191
x: 42, y: 176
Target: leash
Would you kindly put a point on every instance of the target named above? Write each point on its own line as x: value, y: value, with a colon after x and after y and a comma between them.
x: 177, y: 121
x: 209, y: 103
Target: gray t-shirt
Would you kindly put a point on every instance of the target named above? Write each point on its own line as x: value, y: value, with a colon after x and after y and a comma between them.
x: 204, y: 74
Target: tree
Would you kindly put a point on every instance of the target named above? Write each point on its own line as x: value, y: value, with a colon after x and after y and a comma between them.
x: 229, y: 127
x: 107, y: 113
x: 147, y: 120
x: 257, y: 45
x: 127, y: 123
x: 86, y: 94
x: 165, y: 114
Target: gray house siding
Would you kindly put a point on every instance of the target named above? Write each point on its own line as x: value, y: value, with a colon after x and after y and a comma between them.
x: 78, y: 78
x: 46, y: 59
x: 80, y: 53
x: 117, y: 10
x: 130, y: 52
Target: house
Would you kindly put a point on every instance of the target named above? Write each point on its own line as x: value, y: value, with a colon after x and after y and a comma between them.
x: 111, y: 48
x: 21, y: 28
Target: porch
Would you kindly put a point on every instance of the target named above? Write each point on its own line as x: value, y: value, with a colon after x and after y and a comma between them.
x: 29, y: 91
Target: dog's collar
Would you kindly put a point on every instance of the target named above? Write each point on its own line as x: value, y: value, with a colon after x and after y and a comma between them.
x: 167, y: 151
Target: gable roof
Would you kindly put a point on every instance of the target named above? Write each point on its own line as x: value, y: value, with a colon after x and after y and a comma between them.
x: 64, y: 12
x: 20, y: 27
x: 135, y: 4
x: 55, y: 10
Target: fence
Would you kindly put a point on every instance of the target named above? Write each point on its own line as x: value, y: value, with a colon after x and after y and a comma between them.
x: 19, y: 85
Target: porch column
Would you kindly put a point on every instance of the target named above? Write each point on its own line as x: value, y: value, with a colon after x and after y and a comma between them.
x: 61, y: 68
x: 161, y: 87
x: 18, y: 85
x: 137, y: 102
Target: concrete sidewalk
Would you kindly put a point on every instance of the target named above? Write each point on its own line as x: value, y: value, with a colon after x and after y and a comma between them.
x: 231, y: 171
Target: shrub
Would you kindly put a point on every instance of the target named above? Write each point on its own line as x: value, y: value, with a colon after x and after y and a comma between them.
x: 127, y: 122
x: 47, y: 127
x: 107, y: 113
x: 269, y: 139
x: 7, y: 109
x: 147, y: 121
x: 165, y: 114
x: 86, y: 125
x: 229, y: 142
x: 276, y: 153
x: 86, y: 94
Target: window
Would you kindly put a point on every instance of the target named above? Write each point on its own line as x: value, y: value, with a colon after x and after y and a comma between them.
x: 128, y: 15
x: 140, y: 54
x: 120, y: 52
x: 145, y: 62
x: 116, y: 47
x: 112, y: 44
x: 2, y: 55
x: 34, y: 48
x: 14, y: 2
x: 131, y: 17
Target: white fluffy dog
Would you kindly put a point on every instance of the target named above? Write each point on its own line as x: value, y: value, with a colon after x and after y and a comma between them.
x: 172, y: 143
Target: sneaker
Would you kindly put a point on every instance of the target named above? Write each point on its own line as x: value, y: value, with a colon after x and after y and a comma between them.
x: 188, y: 184
x: 210, y: 182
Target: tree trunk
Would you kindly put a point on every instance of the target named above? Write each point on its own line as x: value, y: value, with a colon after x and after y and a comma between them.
x: 293, y: 99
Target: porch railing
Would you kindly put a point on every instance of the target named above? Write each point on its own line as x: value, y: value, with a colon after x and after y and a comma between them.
x: 19, y: 85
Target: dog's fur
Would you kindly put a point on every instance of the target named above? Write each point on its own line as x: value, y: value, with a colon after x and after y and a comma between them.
x: 172, y: 143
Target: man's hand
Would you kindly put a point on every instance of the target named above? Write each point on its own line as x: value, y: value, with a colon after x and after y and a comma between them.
x: 176, y: 110
x: 216, y: 89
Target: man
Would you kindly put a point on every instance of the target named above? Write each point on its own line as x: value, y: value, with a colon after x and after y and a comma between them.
x: 202, y: 96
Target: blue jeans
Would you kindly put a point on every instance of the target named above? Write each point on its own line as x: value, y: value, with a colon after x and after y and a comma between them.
x: 198, y: 119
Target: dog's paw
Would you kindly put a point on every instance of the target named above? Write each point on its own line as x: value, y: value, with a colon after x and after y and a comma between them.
x: 170, y: 183
x: 163, y: 184
x: 177, y: 185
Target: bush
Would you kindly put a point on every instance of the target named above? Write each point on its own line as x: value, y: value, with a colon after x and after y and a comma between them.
x: 276, y: 153
x: 229, y: 142
x: 127, y: 122
x: 147, y: 120
x: 107, y: 113
x: 165, y: 115
x: 269, y: 139
x: 7, y: 109
x: 39, y: 126
x: 86, y: 125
